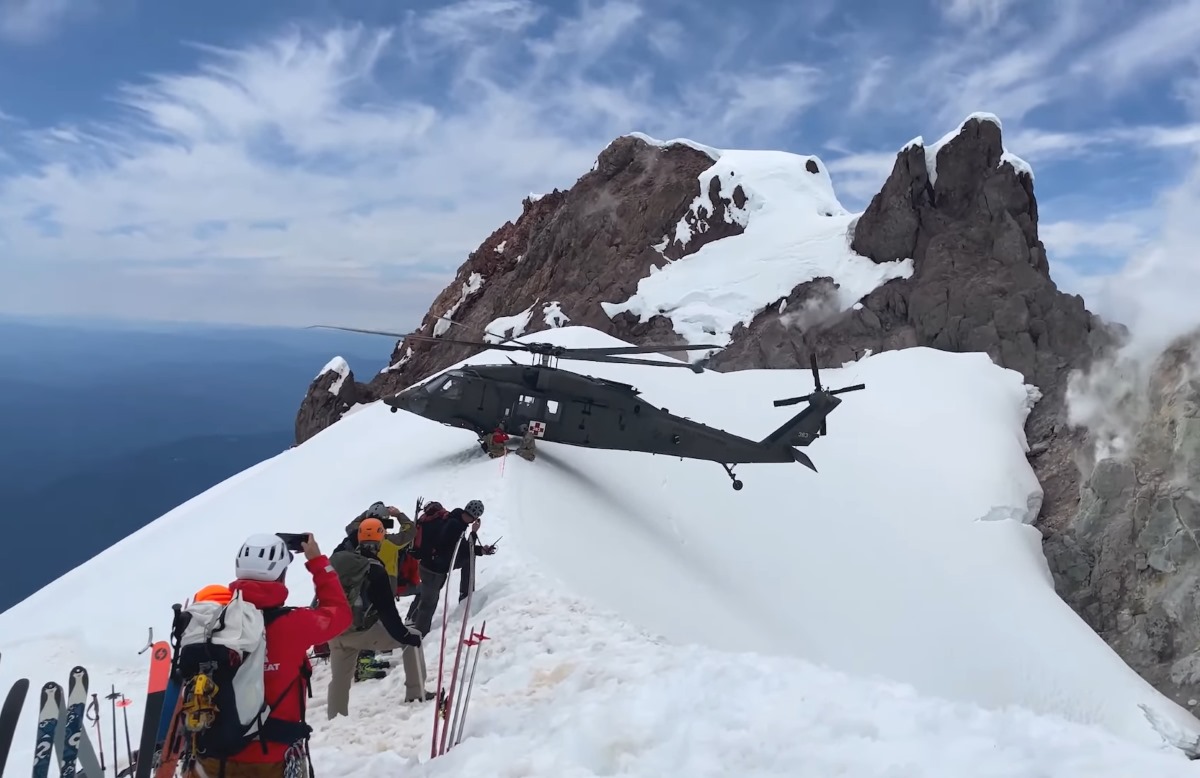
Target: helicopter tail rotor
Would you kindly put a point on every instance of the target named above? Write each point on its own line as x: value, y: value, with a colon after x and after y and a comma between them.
x: 818, y: 391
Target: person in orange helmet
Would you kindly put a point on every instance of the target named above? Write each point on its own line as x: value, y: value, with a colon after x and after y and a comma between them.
x: 376, y: 624
x: 211, y: 593
x: 214, y: 593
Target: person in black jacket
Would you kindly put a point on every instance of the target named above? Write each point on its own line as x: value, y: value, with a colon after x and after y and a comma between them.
x: 377, y: 625
x: 437, y: 549
x: 466, y: 581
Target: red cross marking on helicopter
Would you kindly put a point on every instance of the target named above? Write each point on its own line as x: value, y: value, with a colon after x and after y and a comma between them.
x: 538, y: 428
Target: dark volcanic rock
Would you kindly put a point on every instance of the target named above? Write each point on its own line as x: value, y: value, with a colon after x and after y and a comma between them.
x: 322, y: 406
x: 575, y: 248
x: 980, y: 283
x: 1131, y: 556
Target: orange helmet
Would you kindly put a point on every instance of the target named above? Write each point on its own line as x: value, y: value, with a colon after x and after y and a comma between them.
x: 214, y: 593
x: 370, y: 531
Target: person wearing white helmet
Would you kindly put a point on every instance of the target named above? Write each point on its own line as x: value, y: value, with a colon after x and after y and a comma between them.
x: 261, y: 567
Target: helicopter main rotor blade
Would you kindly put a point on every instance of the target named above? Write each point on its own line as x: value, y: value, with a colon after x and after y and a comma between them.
x: 624, y: 361
x: 356, y: 329
x: 652, y: 349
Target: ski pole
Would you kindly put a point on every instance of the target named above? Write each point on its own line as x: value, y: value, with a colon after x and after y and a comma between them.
x: 461, y: 687
x: 124, y: 706
x: 478, y: 638
x: 116, y: 757
x: 95, y: 719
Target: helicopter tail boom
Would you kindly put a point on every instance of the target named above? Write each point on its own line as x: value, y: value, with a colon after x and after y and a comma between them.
x: 805, y: 427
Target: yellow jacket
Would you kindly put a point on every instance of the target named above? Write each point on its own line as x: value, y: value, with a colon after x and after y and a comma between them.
x: 393, y: 543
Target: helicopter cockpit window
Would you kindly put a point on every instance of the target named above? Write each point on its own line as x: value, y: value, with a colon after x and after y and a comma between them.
x: 448, y: 386
x: 452, y: 389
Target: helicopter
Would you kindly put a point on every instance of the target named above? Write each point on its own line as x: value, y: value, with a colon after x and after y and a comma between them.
x: 562, y: 406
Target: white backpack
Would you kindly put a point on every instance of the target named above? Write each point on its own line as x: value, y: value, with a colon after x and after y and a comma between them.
x: 221, y: 656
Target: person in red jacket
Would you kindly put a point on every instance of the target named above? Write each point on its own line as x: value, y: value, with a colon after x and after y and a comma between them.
x: 261, y: 570
x: 497, y: 443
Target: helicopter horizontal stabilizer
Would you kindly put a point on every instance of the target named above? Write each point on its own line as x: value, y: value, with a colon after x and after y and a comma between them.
x: 803, y: 459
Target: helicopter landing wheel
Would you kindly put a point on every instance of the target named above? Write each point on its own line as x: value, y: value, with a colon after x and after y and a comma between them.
x: 737, y: 484
x: 393, y: 409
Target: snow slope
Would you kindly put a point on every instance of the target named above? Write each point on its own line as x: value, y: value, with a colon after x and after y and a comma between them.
x: 795, y: 230
x: 647, y: 620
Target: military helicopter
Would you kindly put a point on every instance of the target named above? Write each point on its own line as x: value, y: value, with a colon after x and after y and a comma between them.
x: 561, y: 406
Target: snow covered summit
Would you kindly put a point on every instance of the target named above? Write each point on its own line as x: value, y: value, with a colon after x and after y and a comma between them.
x: 794, y: 230
x: 891, y: 614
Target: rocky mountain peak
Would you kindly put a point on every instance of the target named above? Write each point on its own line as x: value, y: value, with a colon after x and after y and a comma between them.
x: 947, y: 255
x: 964, y: 210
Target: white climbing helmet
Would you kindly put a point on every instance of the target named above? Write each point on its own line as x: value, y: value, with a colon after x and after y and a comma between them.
x: 262, y: 558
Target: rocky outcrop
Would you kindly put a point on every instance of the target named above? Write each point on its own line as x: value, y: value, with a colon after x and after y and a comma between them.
x: 333, y: 392
x: 965, y: 212
x: 568, y: 251
x: 562, y: 256
x: 1129, y: 560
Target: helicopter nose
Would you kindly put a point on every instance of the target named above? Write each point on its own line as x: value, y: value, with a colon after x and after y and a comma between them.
x: 408, y: 400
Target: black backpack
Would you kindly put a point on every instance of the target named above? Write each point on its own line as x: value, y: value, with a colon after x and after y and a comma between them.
x: 429, y: 520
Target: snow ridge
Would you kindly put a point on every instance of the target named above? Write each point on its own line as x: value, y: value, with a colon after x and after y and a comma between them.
x: 714, y: 153
x: 508, y: 326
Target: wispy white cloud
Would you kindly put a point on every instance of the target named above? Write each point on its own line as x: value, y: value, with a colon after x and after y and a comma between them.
x: 984, y: 12
x: 352, y: 159
x: 304, y: 160
x: 1067, y: 239
x: 1163, y: 38
x: 857, y: 177
x: 31, y: 21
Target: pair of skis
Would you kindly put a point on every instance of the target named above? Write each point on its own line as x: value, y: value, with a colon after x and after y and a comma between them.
x: 447, y: 731
x: 60, y: 730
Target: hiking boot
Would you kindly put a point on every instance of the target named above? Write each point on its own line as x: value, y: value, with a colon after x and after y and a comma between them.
x: 428, y: 696
x: 371, y: 663
x: 369, y: 673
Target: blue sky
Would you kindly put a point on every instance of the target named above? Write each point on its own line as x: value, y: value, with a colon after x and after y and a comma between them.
x: 284, y: 162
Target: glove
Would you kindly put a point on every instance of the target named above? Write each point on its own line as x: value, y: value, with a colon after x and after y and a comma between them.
x: 411, y: 638
x: 489, y: 550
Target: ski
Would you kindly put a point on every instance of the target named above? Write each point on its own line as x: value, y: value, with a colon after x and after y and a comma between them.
x: 476, y: 640
x: 171, y: 748
x: 470, y: 562
x: 85, y: 752
x: 156, y: 692
x: 48, y: 708
x: 462, y: 637
x: 10, y: 714
x: 72, y: 725
x: 442, y: 703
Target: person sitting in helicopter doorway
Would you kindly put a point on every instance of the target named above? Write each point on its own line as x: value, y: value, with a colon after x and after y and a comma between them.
x: 526, y: 450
